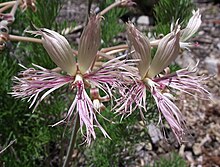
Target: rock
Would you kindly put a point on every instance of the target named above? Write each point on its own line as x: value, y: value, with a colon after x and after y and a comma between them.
x: 148, y: 147
x: 185, y: 60
x: 154, y: 133
x: 212, y: 65
x: 218, y: 46
x: 189, y: 157
x: 139, y: 147
x: 143, y: 20
x: 181, y: 150
x: 197, y: 149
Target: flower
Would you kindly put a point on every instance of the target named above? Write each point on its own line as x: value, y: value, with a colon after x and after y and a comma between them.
x: 150, y: 79
x: 36, y: 83
x: 191, y: 28
x: 186, y: 33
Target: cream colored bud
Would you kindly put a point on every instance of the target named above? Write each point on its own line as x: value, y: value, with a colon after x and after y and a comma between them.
x: 167, y: 51
x: 89, y: 44
x: 59, y: 50
x: 192, y: 26
x: 142, y: 48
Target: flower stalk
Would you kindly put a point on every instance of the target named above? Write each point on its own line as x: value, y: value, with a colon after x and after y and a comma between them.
x: 7, y: 3
x: 16, y: 38
x: 72, y: 142
x: 116, y: 4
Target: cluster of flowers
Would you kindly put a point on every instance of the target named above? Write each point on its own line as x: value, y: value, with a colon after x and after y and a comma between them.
x: 128, y: 78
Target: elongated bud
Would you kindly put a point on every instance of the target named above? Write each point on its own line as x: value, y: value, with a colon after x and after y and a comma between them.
x: 28, y: 3
x: 59, y: 50
x: 126, y: 3
x: 167, y: 51
x: 4, y: 36
x: 89, y: 44
x: 142, y: 48
x: 192, y: 26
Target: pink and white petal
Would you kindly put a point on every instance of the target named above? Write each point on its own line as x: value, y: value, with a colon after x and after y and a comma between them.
x: 131, y: 99
x: 32, y: 82
x: 87, y: 113
x: 171, y: 113
x: 184, y: 80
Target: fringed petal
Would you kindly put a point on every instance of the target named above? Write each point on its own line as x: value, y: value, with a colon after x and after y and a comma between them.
x: 32, y: 82
x: 171, y: 113
x: 87, y: 112
x: 131, y: 99
x: 112, y: 75
x: 184, y: 80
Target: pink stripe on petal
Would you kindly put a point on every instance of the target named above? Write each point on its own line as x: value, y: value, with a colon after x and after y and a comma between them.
x: 87, y: 113
x: 32, y: 82
x: 171, y: 113
x: 184, y: 80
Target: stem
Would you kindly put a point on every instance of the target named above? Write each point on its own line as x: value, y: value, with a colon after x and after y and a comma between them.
x: 24, y: 39
x: 7, y: 3
x: 72, y: 141
x: 124, y: 47
x: 117, y: 3
x: 114, y: 48
x: 13, y: 10
x: 5, y: 7
x: 11, y: 142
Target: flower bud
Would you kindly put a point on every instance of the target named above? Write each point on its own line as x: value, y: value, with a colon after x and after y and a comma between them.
x: 89, y: 44
x: 59, y: 50
x: 192, y: 26
x: 167, y: 51
x: 142, y: 48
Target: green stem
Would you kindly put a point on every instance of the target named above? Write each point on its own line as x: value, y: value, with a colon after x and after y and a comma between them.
x: 72, y: 141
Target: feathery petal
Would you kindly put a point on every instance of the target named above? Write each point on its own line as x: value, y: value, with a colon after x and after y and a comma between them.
x: 131, y: 99
x: 86, y: 110
x: 32, y: 82
x: 114, y: 73
x: 142, y: 48
x: 171, y: 113
x: 89, y: 43
x: 184, y: 80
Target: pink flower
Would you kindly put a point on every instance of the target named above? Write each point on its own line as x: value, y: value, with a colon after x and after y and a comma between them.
x: 36, y: 83
x: 149, y: 78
